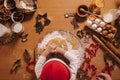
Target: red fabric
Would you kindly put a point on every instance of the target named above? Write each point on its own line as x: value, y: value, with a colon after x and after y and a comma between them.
x: 55, y: 70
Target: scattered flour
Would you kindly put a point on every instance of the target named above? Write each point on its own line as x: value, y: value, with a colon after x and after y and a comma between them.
x: 56, y: 34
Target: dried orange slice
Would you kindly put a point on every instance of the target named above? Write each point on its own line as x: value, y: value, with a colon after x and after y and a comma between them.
x: 99, y: 3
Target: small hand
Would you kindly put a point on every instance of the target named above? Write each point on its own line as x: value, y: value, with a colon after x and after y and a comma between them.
x: 54, y: 48
x: 50, y: 48
x: 103, y: 76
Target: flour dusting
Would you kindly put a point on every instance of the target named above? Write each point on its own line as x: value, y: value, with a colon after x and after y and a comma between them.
x: 79, y: 52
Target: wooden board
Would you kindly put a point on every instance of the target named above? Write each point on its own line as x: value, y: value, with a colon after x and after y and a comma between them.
x: 56, y: 10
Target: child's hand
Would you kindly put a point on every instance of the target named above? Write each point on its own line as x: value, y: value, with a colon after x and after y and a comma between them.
x: 60, y: 50
x: 103, y: 76
x: 50, y: 47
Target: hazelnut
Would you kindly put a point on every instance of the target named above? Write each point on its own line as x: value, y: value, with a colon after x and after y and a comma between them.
x: 110, y: 36
x: 107, y: 27
x: 105, y: 32
x: 113, y: 30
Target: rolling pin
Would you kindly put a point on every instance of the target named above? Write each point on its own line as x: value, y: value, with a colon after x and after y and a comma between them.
x: 106, y: 48
x: 111, y: 47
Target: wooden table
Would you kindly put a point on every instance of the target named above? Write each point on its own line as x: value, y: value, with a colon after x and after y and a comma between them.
x: 55, y: 10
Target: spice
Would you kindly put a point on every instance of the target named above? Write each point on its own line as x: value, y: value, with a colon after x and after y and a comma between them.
x: 9, y: 4
x: 17, y: 27
x: 4, y: 15
x: 17, y: 16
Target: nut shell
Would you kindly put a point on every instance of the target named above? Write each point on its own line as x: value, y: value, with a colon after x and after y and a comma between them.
x: 113, y: 30
x: 110, y: 36
x: 108, y: 27
x: 105, y: 32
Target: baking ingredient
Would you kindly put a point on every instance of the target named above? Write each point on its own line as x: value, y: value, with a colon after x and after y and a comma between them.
x: 99, y: 29
x: 117, y: 22
x: 108, y: 27
x: 59, y: 42
x: 9, y: 4
x: 104, y: 32
x: 4, y: 14
x: 92, y: 17
x: 102, y: 24
x: 96, y: 6
x: 97, y: 21
x: 94, y: 26
x: 17, y: 16
x: 25, y: 6
x: 113, y: 30
x: 111, y: 15
x: 57, y: 35
x: 99, y: 3
x: 108, y: 17
x: 17, y: 27
x: 110, y: 36
x: 88, y: 23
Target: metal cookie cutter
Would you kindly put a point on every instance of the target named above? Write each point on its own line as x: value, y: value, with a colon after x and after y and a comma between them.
x: 80, y: 33
x: 86, y: 38
x: 15, y: 66
x: 41, y: 22
x: 24, y: 37
x: 30, y: 62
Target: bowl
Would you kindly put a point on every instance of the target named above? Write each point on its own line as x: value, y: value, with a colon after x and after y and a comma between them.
x: 17, y: 16
x: 9, y: 4
x: 17, y: 27
x: 81, y: 13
